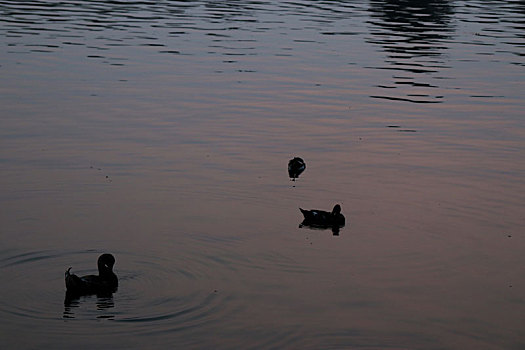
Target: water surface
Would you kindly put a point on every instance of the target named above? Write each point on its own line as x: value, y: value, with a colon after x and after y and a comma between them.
x: 160, y: 131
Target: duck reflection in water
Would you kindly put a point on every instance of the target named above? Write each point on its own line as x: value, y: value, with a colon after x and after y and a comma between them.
x: 103, y: 285
x: 104, y: 304
x: 319, y: 219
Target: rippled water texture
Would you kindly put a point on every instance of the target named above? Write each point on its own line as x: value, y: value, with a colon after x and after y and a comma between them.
x: 160, y: 131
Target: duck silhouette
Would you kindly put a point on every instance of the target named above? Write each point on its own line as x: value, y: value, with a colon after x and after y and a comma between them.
x: 105, y: 283
x: 295, y: 167
x: 323, y: 219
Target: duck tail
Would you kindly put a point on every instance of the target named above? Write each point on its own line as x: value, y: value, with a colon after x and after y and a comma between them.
x: 73, y: 282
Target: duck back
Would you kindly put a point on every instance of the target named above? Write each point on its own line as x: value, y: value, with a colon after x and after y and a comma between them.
x: 295, y: 167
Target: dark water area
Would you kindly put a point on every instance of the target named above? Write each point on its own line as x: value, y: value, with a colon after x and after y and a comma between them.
x: 160, y: 131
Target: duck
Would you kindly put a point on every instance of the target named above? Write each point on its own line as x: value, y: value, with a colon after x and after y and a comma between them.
x: 105, y: 282
x: 295, y: 167
x: 320, y: 218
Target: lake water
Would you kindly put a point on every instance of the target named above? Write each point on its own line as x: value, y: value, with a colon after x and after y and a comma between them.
x: 160, y: 131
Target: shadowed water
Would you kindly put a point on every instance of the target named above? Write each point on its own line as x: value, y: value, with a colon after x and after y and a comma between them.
x: 160, y: 131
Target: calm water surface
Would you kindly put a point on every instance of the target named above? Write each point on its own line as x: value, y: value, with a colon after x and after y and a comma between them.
x: 160, y: 131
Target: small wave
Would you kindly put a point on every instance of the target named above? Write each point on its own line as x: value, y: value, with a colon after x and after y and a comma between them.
x: 391, y: 98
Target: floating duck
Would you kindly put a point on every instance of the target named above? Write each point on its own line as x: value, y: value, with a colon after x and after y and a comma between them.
x: 320, y: 218
x: 295, y: 167
x: 105, y: 282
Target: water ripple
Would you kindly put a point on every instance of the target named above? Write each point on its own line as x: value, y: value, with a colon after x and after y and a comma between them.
x: 146, y: 295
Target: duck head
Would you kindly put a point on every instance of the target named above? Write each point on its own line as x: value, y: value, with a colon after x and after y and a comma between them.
x: 336, y: 210
x: 105, y: 263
